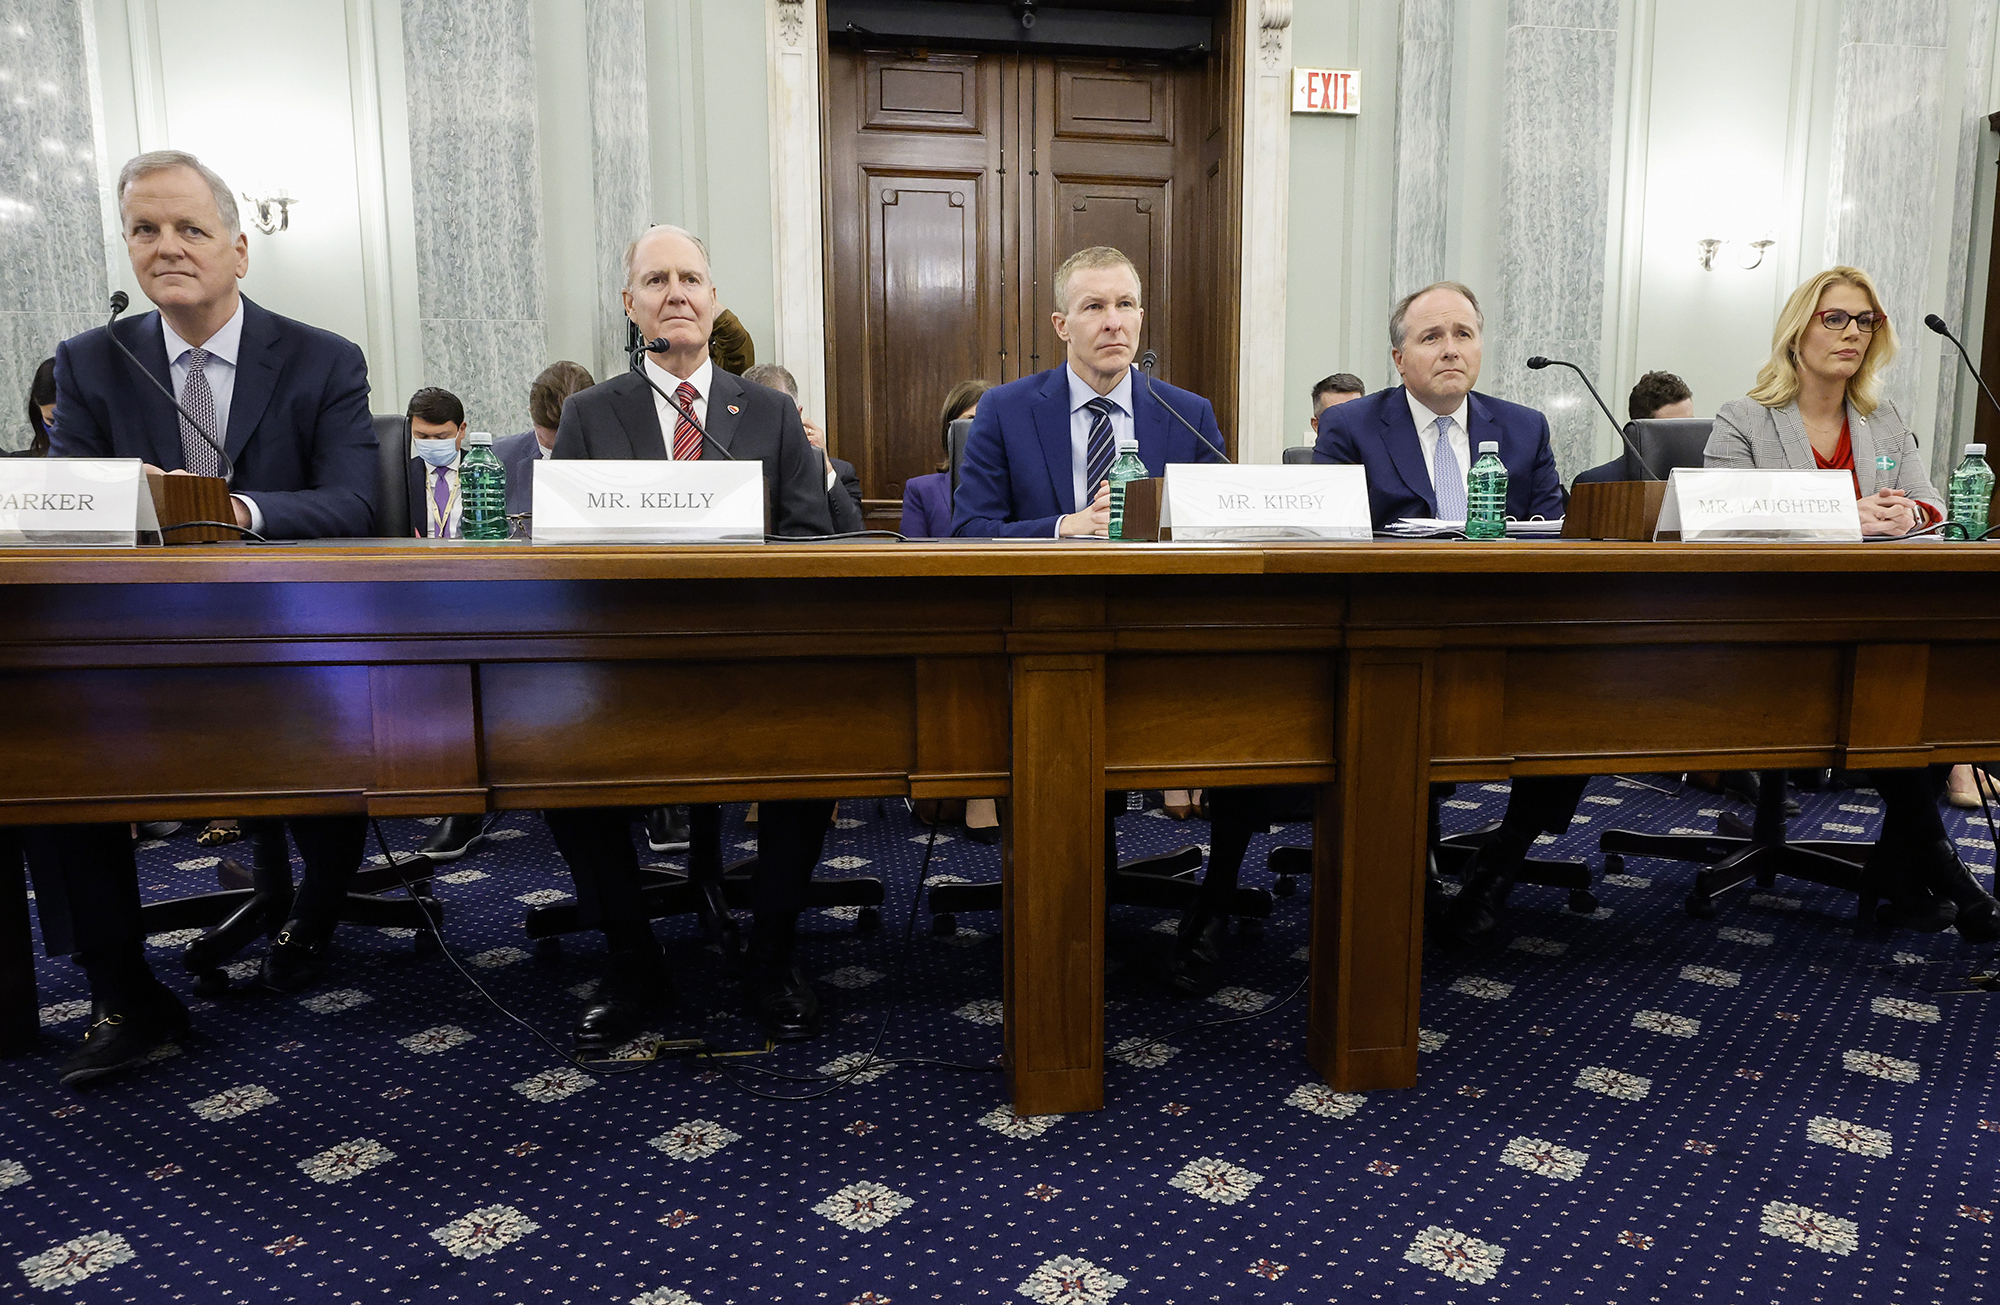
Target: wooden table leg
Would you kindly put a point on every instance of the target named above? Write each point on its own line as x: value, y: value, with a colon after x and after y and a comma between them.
x: 1368, y: 877
x: 20, y: 1017
x: 1053, y: 886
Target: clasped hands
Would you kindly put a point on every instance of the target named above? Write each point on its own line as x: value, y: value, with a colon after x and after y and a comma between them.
x: 1889, y: 512
x: 1093, y: 520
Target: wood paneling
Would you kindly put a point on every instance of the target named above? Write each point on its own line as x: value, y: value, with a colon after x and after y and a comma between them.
x: 1094, y: 102
x: 426, y: 737
x: 935, y: 94
x: 1231, y: 711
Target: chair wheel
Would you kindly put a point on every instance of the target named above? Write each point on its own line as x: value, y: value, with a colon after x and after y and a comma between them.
x: 1285, y: 887
x: 869, y: 920
x: 1250, y: 930
x: 1614, y: 863
x: 548, y: 949
x: 1582, y: 901
x: 1701, y: 906
x: 210, y: 984
x: 944, y: 924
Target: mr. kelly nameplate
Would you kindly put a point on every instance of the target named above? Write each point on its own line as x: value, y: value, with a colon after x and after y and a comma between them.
x: 1720, y: 504
x: 714, y: 502
x: 68, y: 501
x: 1207, y: 500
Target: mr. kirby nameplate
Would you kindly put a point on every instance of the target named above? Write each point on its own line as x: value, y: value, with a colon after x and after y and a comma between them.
x: 711, y: 502
x: 69, y: 501
x: 1720, y: 504
x: 1207, y: 500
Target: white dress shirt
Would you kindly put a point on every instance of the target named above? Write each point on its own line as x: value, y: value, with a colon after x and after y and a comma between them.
x: 704, y: 376
x: 1080, y: 422
x: 1460, y: 440
x: 220, y: 370
x: 455, y: 512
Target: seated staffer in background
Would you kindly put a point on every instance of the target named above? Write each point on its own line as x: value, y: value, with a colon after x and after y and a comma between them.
x: 670, y: 294
x: 291, y: 403
x: 1416, y: 441
x: 927, y: 499
x: 1818, y: 404
x: 1339, y: 388
x: 843, y: 495
x: 518, y: 453
x: 41, y: 411
x: 437, y: 433
x: 1036, y: 456
x: 1660, y: 396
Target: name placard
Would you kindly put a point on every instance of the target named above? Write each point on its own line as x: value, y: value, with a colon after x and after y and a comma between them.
x: 714, y: 502
x: 1720, y: 504
x: 72, y: 501
x: 1209, y: 500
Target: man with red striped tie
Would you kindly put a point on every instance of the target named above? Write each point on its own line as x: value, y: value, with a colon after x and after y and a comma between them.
x: 680, y: 405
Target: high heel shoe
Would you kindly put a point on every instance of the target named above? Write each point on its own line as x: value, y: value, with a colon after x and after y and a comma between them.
x: 1177, y: 803
x: 1978, y: 914
x: 1900, y: 879
x: 1967, y: 784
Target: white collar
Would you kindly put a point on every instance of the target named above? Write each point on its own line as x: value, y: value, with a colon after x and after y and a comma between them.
x: 1426, y: 420
x: 223, y: 346
x: 1080, y: 392
x: 703, y: 377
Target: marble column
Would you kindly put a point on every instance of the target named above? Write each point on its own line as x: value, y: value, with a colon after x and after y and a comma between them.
x: 1952, y: 379
x: 475, y: 176
x: 1267, y: 128
x: 1882, y: 182
x: 1562, y: 67
x: 792, y: 40
x: 1423, y: 145
x: 51, y: 217
x: 620, y: 157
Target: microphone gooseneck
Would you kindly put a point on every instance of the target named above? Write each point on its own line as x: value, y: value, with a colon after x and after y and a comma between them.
x: 1150, y: 360
x: 120, y: 301
x: 658, y: 346
x: 1538, y: 362
x: 1936, y: 323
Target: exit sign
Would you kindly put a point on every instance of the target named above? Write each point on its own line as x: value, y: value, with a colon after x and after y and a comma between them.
x: 1326, y: 90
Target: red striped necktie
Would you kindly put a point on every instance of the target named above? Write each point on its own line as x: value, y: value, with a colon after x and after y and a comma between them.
x: 687, y: 435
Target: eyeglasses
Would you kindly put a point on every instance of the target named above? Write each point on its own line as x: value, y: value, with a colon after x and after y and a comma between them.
x: 1836, y: 319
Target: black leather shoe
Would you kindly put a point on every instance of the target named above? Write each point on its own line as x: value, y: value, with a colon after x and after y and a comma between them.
x: 986, y: 834
x: 1197, y: 951
x: 1901, y: 878
x: 298, y: 957
x: 1978, y: 914
x: 636, y: 987
x: 125, y: 1031
x: 1475, y: 912
x: 667, y: 829
x: 453, y: 838
x: 780, y: 998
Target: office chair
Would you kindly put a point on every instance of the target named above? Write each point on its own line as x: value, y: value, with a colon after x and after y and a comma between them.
x: 392, y: 476
x: 1299, y: 454
x: 708, y: 889
x: 1666, y: 442
x: 1736, y: 853
x: 955, y: 438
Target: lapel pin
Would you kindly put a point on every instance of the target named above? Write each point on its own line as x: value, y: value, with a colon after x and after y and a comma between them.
x: 733, y: 410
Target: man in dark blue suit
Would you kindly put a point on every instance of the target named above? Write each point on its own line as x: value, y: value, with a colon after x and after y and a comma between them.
x: 290, y: 404
x: 1418, y: 439
x: 1417, y: 442
x: 1036, y: 456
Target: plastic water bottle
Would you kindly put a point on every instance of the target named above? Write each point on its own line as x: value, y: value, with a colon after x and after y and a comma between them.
x: 1486, y: 494
x: 1126, y: 466
x: 482, y: 491
x: 1971, y: 491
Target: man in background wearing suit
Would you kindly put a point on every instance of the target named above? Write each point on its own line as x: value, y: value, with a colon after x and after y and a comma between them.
x: 290, y: 404
x: 519, y: 453
x: 1417, y: 441
x: 681, y: 406
x: 843, y: 498
x: 1038, y: 449
x: 437, y: 433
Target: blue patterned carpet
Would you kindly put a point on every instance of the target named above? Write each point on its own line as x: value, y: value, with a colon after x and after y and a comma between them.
x: 1635, y: 1106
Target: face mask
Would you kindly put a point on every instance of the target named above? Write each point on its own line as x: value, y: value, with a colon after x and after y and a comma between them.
x: 439, y: 453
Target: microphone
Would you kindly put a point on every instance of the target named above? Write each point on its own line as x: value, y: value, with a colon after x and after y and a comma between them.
x: 1936, y: 323
x: 120, y: 301
x: 1538, y: 362
x: 660, y: 346
x: 1150, y: 360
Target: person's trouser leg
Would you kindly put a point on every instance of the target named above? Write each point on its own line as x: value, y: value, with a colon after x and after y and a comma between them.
x: 597, y: 844
x: 101, y: 880
x: 330, y: 847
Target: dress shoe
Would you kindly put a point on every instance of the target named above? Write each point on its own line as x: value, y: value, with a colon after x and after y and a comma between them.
x: 667, y: 829
x: 1176, y: 803
x: 1489, y: 878
x: 218, y: 833
x: 1967, y: 784
x: 453, y: 838
x: 158, y: 828
x: 988, y: 835
x: 298, y: 957
x: 780, y: 998
x: 1978, y: 914
x: 1901, y: 879
x: 636, y: 986
x: 1197, y: 951
x: 125, y: 1030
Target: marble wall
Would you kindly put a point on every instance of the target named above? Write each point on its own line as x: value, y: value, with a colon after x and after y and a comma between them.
x: 1423, y: 144
x: 475, y: 174
x: 52, y: 242
x: 1557, y: 155
x: 1956, y: 393
x: 620, y: 157
x: 1882, y: 182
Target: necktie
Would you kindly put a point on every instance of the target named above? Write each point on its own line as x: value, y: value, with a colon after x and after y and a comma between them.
x: 441, y: 495
x: 199, y: 400
x: 1099, y: 448
x: 687, y: 435
x: 1447, y: 476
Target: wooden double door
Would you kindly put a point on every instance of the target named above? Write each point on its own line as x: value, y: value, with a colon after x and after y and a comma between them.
x: 959, y: 181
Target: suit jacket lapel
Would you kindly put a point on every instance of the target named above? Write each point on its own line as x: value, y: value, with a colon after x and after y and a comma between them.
x: 1052, y: 425
x: 632, y: 403
x: 725, y: 393
x: 1793, y: 439
x: 420, y: 508
x: 1402, y: 437
x: 1150, y: 421
x: 1861, y: 439
x: 148, y: 340
x: 258, y: 359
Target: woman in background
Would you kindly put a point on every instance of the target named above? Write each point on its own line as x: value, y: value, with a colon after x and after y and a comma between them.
x: 927, y: 499
x: 41, y: 411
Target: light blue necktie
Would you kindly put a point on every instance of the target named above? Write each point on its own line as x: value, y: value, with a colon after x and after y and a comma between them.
x: 1445, y: 474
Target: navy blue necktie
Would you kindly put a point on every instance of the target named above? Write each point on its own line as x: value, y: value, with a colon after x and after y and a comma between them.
x: 1099, y: 448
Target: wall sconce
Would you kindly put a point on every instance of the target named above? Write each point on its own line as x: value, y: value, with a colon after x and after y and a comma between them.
x: 271, y: 213
x: 1750, y: 259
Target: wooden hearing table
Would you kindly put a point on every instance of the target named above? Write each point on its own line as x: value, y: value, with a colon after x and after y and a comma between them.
x: 425, y: 678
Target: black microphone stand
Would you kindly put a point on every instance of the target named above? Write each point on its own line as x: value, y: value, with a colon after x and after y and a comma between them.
x: 1147, y: 362
x: 119, y: 302
x: 637, y: 352
x: 1537, y: 363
